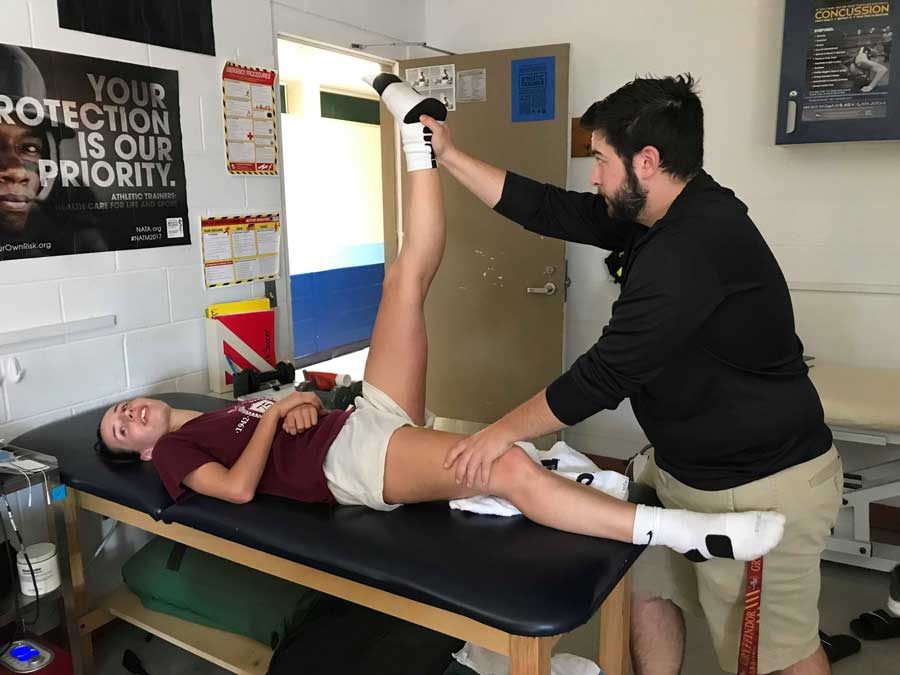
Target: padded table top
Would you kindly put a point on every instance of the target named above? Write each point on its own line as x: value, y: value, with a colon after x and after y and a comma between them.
x: 863, y: 398
x: 508, y: 573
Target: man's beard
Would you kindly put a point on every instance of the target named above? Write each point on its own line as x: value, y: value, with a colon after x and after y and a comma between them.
x: 629, y: 200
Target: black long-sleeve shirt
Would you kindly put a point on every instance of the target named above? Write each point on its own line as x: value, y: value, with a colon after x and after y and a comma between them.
x: 701, y: 339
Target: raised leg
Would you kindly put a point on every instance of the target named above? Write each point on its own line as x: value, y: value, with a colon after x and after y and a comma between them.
x: 398, y: 352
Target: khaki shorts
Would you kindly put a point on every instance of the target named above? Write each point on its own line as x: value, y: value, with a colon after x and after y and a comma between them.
x: 809, y: 495
x: 354, y: 465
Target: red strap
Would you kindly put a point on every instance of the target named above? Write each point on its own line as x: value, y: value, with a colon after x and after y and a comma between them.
x: 749, y: 646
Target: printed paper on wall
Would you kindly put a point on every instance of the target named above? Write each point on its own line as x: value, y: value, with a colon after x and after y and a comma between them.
x: 240, y: 249
x: 436, y: 81
x: 248, y: 104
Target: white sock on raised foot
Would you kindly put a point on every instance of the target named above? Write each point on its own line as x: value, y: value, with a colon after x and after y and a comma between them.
x: 700, y: 536
x: 407, y: 105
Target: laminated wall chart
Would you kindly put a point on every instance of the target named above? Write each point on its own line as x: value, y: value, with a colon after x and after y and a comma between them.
x: 248, y: 105
x: 533, y: 89
x: 240, y: 249
x: 436, y: 81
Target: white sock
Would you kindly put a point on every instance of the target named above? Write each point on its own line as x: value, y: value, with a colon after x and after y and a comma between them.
x: 893, y: 603
x: 406, y: 105
x: 893, y: 607
x: 416, y: 140
x: 700, y: 536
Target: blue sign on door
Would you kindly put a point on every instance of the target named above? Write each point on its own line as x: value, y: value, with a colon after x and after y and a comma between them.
x: 534, y: 89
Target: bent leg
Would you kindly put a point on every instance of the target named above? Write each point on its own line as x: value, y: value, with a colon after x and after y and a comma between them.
x: 414, y: 472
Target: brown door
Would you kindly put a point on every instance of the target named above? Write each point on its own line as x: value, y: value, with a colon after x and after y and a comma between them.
x: 492, y: 343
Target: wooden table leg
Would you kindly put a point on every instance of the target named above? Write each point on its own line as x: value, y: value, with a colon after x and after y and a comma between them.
x: 615, y: 628
x: 84, y: 665
x: 529, y: 655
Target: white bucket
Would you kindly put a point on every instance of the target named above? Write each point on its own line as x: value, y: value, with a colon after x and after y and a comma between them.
x: 45, y: 566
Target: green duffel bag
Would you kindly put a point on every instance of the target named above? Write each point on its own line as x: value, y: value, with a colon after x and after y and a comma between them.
x: 202, y: 588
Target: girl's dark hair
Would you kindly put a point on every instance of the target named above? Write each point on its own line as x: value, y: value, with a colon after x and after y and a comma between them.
x: 114, y: 456
x: 664, y: 112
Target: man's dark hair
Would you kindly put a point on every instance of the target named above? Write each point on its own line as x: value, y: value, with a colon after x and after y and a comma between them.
x: 664, y: 112
x: 114, y: 457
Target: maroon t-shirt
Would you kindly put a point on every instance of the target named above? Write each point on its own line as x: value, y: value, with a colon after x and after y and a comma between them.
x: 293, y: 470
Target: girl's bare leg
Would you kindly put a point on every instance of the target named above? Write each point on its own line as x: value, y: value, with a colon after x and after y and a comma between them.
x: 414, y: 472
x: 398, y: 351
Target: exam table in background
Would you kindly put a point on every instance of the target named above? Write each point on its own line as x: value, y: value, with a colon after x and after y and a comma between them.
x: 862, y: 407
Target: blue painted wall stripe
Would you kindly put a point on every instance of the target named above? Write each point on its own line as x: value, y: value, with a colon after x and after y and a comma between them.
x: 335, y: 307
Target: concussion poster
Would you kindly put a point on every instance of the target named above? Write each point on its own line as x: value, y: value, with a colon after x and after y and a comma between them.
x: 90, y: 155
x: 837, y: 82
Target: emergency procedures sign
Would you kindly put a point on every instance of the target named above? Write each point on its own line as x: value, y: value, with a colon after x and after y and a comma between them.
x: 248, y: 104
x: 90, y: 155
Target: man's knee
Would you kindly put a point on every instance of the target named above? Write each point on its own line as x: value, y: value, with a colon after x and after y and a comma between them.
x: 649, y: 613
x: 815, y: 664
x: 657, y: 636
x: 647, y: 610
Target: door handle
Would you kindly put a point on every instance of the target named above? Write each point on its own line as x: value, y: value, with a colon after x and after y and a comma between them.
x: 547, y: 289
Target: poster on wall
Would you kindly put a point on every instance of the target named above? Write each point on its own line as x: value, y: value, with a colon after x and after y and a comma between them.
x: 836, y: 72
x: 533, y: 89
x: 436, y: 81
x: 248, y: 102
x: 471, y: 85
x: 240, y: 249
x: 168, y: 23
x: 847, y: 65
x: 90, y: 155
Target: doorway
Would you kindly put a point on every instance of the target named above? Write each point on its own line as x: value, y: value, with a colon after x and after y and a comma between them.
x: 333, y: 195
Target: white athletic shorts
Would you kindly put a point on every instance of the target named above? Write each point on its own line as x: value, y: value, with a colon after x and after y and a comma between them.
x: 354, y: 465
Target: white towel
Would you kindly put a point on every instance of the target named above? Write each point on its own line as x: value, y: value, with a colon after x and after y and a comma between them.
x: 568, y: 463
x: 485, y: 662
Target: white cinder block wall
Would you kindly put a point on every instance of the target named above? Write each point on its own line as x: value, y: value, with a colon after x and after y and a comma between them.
x: 157, y: 295
x: 829, y: 212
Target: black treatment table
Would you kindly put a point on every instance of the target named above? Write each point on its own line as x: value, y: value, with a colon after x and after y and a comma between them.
x: 506, y: 584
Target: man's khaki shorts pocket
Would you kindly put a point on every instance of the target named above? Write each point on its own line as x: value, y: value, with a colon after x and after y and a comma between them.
x: 830, y: 471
